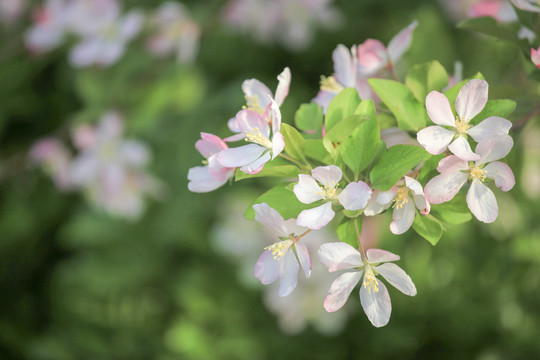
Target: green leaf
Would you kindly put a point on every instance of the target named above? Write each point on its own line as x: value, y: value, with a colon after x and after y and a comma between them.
x: 423, y: 78
x: 502, y: 108
x: 309, y: 117
x: 294, y: 142
x: 454, y: 212
x: 359, y: 149
x: 314, y: 149
x: 281, y: 199
x: 278, y: 167
x: 340, y: 132
x: 489, y: 26
x: 394, y: 163
x: 352, y: 213
x: 428, y: 227
x: 429, y: 168
x: 453, y: 92
x: 346, y: 231
x: 342, y: 105
x: 400, y: 100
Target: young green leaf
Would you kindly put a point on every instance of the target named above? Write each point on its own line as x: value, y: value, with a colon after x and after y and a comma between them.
x: 342, y: 105
x: 454, y: 212
x: 428, y: 227
x: 453, y: 92
x: 340, y: 132
x: 309, y: 117
x: 502, y: 108
x: 294, y: 142
x: 347, y: 231
x: 423, y: 78
x: 314, y: 149
x: 278, y: 167
x: 428, y: 170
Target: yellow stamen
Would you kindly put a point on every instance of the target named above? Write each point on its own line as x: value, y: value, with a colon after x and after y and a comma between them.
x: 401, y: 197
x: 477, y: 173
x: 253, y: 104
x: 330, y: 84
x: 279, y: 249
x: 462, y: 125
x: 370, y: 282
x: 329, y: 192
x: 258, y: 138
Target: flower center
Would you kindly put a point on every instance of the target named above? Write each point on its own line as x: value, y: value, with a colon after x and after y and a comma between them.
x: 462, y: 125
x: 477, y: 173
x: 330, y: 84
x: 255, y: 136
x: 401, y: 197
x: 253, y: 104
x: 279, y: 249
x: 329, y: 192
x: 370, y: 282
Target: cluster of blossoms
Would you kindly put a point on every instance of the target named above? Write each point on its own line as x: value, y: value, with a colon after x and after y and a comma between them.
x: 108, y: 169
x: 103, y: 32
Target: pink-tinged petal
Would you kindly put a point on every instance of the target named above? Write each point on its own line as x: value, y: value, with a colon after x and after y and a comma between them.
x: 379, y: 201
x: 344, y: 66
x: 435, y: 139
x: 234, y: 138
x: 270, y: 218
x: 283, y: 86
x: 130, y: 25
x: 307, y: 190
x: 401, y: 42
x: 413, y: 185
x: 494, y: 148
x: 339, y: 256
x: 289, y: 274
x: 527, y: 5
x: 444, y: 187
x: 397, y: 278
x: 201, y: 181
x: 373, y: 207
x: 378, y: 255
x: 276, y: 117
x: 372, y: 57
x: 461, y: 148
x: 490, y: 127
x: 304, y: 258
x: 403, y: 218
x: 376, y: 305
x: 210, y: 144
x: 327, y: 175
x: 240, y: 156
x: 535, y: 57
x: 439, y: 110
x: 422, y: 204
x: 341, y: 290
x: 452, y: 164
x: 323, y: 98
x: 257, y: 165
x: 257, y: 94
x: 355, y: 196
x: 278, y: 144
x: 482, y: 202
x: 232, y: 124
x: 502, y: 174
x: 316, y: 218
x: 249, y: 120
x: 267, y: 269
x: 471, y: 99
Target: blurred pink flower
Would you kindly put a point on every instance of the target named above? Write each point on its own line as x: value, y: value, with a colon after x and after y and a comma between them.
x: 55, y: 159
x: 535, y: 57
x: 49, y: 27
x: 11, y: 10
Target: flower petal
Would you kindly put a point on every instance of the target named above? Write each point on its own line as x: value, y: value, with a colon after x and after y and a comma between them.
x: 316, y: 218
x: 257, y: 94
x: 267, y: 269
x: 249, y: 120
x: 403, y: 217
x: 494, y: 148
x: 397, y: 278
x: 444, y: 187
x: 344, y: 66
x: 270, y: 218
x: 461, y: 148
x: 275, y: 114
x: 526, y: 5
x: 377, y: 255
x: 201, y: 181
x: 289, y: 274
x: 435, y: 139
x: 210, y: 144
x: 401, y: 42
x: 471, y: 99
x: 439, y: 110
x: 452, y: 164
x: 278, y: 144
x: 482, y: 202
x: 355, y: 196
x: 257, y: 165
x: 490, y: 127
x: 283, y: 86
x: 327, y: 175
x: 339, y: 256
x: 303, y: 258
x: 502, y: 174
x: 307, y: 190
x: 340, y: 290
x: 376, y: 305
x: 372, y: 57
x: 240, y: 156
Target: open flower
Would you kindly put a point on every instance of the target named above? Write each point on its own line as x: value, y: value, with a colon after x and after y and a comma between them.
x: 470, y: 101
x: 374, y: 296
x: 283, y: 259
x: 255, y: 129
x: 406, y: 194
x: 455, y: 172
x: 355, y: 196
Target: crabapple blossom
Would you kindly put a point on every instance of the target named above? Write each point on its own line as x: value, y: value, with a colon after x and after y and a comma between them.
x: 256, y: 130
x: 213, y: 174
x: 535, y: 57
x: 406, y: 194
x: 49, y: 27
x: 55, y: 160
x: 11, y: 10
x: 374, y: 296
x: 501, y: 11
x: 282, y: 259
x: 355, y: 196
x: 455, y: 172
x: 470, y: 101
x: 527, y: 5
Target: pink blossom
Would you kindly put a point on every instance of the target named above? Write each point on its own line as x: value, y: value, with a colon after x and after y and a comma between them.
x: 455, y: 172
x: 470, y: 101
x: 501, y: 11
x: 55, y: 159
x: 374, y: 296
x: 355, y: 196
x: 49, y: 27
x: 535, y: 57
x: 283, y: 259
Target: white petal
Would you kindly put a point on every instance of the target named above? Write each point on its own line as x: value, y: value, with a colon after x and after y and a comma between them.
x: 267, y: 269
x: 201, y: 181
x: 439, y: 110
x: 303, y: 258
x: 482, y: 202
x: 355, y: 196
x: 397, y: 278
x: 377, y: 305
x: 283, y: 86
x: 278, y: 144
x: 452, y: 164
x: 401, y: 42
x: 316, y: 218
x: 374, y: 207
x: 413, y: 185
x: 461, y: 148
x: 249, y: 120
x: 377, y: 255
x: 490, y: 127
x: 327, y: 175
x: 339, y: 256
x: 403, y: 218
x: 444, y: 187
x: 344, y: 67
x: 307, y: 190
x: 340, y: 290
x: 240, y: 156
x: 471, y: 99
x: 257, y: 165
x: 289, y: 274
x: 502, y: 174
x: 256, y: 94
x: 435, y: 139
x: 276, y: 118
x: 526, y: 5
x: 270, y: 218
x: 494, y: 148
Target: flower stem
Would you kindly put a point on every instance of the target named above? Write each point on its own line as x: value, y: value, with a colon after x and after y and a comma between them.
x: 304, y: 166
x: 297, y: 238
x: 359, y: 238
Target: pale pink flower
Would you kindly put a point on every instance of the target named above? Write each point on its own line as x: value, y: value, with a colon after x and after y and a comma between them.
x: 455, y: 172
x: 213, y: 175
x: 535, y: 57
x: 11, y: 10
x: 527, y: 5
x: 355, y: 196
x: 55, y: 159
x: 374, y: 296
x: 406, y: 195
x: 256, y: 130
x: 88, y: 17
x: 470, y: 101
x: 283, y: 259
x: 501, y: 11
x: 49, y: 27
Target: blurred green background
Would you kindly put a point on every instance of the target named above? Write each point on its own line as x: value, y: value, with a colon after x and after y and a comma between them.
x: 76, y: 283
